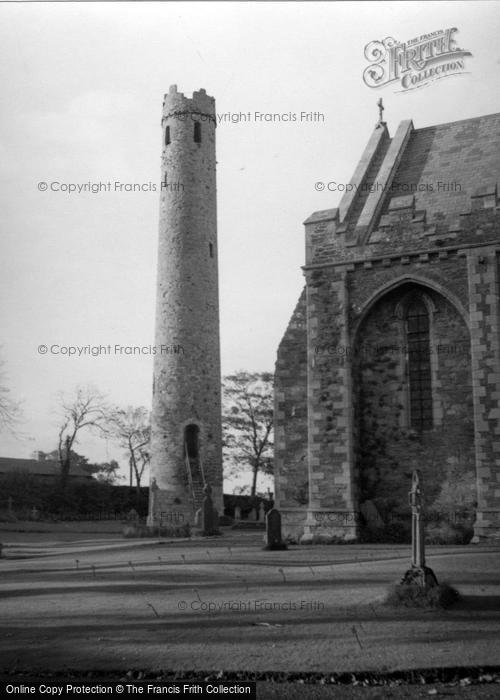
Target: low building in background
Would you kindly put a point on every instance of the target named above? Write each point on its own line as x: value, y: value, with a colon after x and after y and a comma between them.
x: 41, y: 467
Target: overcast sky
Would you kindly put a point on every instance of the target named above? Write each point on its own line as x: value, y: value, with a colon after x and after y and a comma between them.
x: 82, y: 87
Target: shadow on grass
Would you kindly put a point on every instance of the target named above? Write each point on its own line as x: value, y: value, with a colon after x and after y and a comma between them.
x: 478, y: 602
x: 146, y: 585
x: 97, y: 642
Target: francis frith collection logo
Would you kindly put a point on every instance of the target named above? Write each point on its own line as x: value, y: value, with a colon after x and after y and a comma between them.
x: 414, y: 63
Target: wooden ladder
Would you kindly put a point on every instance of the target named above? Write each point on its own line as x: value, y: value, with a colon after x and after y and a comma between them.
x: 195, y: 484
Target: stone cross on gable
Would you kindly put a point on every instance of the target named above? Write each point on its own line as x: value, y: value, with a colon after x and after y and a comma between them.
x: 381, y: 108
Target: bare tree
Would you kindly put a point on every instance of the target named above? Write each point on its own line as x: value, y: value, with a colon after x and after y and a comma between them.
x: 10, y: 410
x: 87, y: 410
x: 247, y: 423
x: 131, y: 427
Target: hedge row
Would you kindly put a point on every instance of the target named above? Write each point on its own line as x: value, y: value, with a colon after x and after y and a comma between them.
x: 91, y: 499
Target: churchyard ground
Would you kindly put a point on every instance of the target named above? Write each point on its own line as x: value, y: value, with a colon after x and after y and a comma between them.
x: 80, y: 599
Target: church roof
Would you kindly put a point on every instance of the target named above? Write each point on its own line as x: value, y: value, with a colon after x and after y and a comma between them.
x: 448, y: 164
x: 416, y: 188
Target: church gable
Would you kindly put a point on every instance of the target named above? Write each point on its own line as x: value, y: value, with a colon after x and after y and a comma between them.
x: 401, y: 321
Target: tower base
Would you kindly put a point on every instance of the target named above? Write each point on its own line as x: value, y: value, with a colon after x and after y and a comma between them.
x: 167, y: 507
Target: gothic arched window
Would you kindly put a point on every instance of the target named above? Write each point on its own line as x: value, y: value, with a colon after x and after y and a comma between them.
x: 419, y: 365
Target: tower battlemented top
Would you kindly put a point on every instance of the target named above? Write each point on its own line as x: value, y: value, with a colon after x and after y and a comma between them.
x: 176, y: 103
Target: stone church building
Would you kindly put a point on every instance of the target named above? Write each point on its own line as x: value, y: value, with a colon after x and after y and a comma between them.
x: 391, y: 359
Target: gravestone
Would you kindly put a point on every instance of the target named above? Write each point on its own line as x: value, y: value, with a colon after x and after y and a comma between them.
x: 262, y: 511
x: 197, y: 518
x: 371, y: 515
x: 209, y: 516
x: 254, y: 514
x: 237, y: 513
x: 418, y: 573
x: 273, y: 531
x: 153, y: 489
x: 35, y: 513
x: 132, y: 515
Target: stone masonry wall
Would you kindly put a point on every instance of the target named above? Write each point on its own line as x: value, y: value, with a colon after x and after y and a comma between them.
x: 388, y: 449
x: 484, y: 295
x: 331, y: 479
x: 290, y: 439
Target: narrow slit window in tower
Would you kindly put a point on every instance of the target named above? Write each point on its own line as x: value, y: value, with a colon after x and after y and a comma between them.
x: 191, y: 434
x: 211, y: 249
x: 419, y: 366
x: 197, y: 132
x: 167, y: 136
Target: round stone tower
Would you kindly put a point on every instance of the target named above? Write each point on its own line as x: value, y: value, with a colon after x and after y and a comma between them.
x: 186, y: 448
